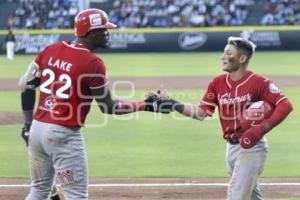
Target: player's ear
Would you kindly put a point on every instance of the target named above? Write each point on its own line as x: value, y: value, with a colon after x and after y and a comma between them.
x: 243, y: 58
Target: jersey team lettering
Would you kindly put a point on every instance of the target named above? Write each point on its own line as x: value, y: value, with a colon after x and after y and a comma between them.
x: 60, y: 64
x: 226, y: 99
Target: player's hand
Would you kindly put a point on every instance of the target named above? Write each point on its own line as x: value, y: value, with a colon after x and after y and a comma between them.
x: 54, y: 193
x: 159, y: 102
x: 254, y: 134
x: 163, y: 94
x: 25, y: 133
x: 250, y: 138
x: 155, y: 104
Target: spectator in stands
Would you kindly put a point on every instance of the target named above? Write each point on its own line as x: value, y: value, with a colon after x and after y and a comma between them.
x: 10, y: 22
x: 167, y: 13
x: 281, y: 12
x: 45, y: 14
x: 144, y: 13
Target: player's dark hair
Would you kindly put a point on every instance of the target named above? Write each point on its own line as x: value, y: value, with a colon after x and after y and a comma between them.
x: 242, y: 45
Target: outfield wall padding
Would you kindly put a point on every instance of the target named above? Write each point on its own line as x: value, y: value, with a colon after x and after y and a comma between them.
x: 178, y: 41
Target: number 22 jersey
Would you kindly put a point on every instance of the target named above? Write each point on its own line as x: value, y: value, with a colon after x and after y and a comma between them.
x: 68, y: 72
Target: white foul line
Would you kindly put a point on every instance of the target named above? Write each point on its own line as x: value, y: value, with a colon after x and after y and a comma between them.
x: 159, y: 185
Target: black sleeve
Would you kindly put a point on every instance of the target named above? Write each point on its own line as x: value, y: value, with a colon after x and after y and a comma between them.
x: 28, y: 99
x: 28, y: 96
x: 36, y: 82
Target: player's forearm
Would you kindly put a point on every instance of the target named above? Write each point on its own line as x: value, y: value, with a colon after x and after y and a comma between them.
x: 251, y: 136
x: 282, y: 110
x: 28, y: 101
x: 125, y: 107
x: 121, y: 107
x: 189, y: 110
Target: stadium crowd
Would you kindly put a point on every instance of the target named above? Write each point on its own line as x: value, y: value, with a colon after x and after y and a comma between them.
x: 176, y: 13
x: 281, y: 12
x: 155, y: 13
x: 44, y: 14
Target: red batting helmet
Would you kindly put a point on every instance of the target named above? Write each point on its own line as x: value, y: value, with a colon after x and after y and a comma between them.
x: 91, y: 19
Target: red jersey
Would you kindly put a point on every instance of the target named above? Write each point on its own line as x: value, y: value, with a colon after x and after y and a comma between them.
x: 231, y: 97
x: 68, y: 73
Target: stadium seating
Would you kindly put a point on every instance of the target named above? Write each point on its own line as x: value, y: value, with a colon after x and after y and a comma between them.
x: 177, y: 13
x: 50, y: 14
x: 45, y: 14
x: 281, y: 12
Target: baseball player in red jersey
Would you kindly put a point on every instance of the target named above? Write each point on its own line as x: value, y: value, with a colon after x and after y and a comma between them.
x: 231, y: 93
x: 69, y: 77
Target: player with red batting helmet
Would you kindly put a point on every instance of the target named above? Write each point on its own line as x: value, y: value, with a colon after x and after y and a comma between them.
x: 70, y: 76
x: 244, y: 124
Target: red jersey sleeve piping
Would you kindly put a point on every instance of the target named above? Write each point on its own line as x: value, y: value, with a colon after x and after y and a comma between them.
x: 208, y: 103
x: 206, y: 107
x: 281, y: 99
x: 208, y: 112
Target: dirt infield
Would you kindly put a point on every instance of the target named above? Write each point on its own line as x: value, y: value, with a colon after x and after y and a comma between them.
x: 155, y: 188
x: 160, y: 188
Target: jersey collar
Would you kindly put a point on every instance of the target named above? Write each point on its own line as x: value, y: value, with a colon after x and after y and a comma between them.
x: 75, y: 45
x: 231, y: 82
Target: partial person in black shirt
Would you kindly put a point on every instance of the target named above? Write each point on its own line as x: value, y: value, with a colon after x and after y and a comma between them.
x: 10, y: 45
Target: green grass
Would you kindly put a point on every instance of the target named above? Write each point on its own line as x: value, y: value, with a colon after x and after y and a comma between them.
x: 172, y: 64
x: 146, y: 144
x: 10, y: 101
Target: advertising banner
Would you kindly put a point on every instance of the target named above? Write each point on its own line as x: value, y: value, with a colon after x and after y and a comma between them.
x: 193, y: 41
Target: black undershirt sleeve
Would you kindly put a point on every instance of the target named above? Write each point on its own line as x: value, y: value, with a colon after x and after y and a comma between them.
x: 28, y: 96
x: 28, y: 99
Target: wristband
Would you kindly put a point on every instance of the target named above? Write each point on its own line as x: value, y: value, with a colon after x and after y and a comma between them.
x: 28, y: 116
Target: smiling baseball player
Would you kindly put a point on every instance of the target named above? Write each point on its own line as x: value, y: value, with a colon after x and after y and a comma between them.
x: 231, y: 93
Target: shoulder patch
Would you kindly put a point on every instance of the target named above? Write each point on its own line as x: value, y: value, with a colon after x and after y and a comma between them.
x: 273, y: 88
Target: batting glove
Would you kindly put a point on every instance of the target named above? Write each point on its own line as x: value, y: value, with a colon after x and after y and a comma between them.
x: 25, y: 133
x: 54, y: 193
x: 155, y: 104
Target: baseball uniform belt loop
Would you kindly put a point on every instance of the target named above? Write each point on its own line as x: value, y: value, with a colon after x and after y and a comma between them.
x: 234, y: 141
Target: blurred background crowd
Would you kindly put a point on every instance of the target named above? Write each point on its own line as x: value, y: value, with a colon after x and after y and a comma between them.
x: 48, y: 14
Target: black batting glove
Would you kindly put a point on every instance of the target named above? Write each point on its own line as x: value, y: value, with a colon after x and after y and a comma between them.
x: 151, y: 103
x: 54, y: 193
x: 55, y: 197
x: 25, y: 133
x: 155, y: 104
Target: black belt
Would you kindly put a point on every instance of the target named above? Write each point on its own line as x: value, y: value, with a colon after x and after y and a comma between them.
x: 234, y: 141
